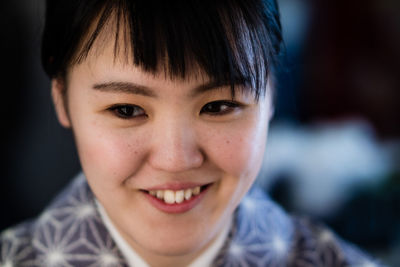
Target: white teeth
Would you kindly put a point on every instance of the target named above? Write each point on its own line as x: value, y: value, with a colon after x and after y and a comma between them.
x: 160, y: 194
x: 196, y: 190
x: 171, y: 197
x: 188, y: 193
x: 179, y: 196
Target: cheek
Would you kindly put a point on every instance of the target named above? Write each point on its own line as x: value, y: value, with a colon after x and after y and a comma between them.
x: 238, y: 150
x: 113, y: 155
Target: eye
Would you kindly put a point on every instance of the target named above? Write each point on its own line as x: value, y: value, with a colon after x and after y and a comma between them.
x: 127, y: 111
x: 218, y: 108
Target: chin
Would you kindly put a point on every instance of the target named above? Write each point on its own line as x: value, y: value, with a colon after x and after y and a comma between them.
x: 176, y: 247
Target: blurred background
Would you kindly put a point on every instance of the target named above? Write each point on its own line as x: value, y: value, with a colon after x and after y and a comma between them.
x: 334, y: 145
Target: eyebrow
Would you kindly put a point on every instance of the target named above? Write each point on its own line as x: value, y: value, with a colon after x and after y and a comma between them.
x: 133, y: 88
x: 125, y: 87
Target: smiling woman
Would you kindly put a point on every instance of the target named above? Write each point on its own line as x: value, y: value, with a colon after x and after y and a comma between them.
x: 169, y: 104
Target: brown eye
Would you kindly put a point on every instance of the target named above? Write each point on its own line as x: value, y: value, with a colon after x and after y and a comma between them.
x: 217, y: 108
x: 127, y: 111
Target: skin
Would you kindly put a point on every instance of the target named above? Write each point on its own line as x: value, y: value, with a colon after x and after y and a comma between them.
x: 171, y: 140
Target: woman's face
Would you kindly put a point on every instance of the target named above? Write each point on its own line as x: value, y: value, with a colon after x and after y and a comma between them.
x: 137, y: 134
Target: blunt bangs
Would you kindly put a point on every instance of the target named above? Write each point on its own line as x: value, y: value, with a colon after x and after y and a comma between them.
x: 233, y: 42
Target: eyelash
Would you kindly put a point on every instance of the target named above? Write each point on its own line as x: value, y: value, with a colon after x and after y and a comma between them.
x: 128, y: 111
x: 230, y: 107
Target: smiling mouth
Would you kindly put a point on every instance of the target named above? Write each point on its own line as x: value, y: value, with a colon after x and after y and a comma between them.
x: 171, y: 197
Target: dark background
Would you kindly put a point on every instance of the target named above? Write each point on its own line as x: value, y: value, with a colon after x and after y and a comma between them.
x: 342, y: 63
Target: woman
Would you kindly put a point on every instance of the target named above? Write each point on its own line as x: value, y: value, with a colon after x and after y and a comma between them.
x: 169, y: 103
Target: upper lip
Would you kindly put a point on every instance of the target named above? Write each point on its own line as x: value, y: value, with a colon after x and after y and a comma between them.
x: 175, y: 186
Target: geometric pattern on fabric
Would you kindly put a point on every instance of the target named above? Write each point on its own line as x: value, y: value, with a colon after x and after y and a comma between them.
x: 70, y: 233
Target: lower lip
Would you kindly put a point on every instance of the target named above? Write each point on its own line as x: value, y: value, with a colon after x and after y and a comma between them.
x: 175, y: 208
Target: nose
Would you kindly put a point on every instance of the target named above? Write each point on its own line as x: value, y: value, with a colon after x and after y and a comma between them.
x: 175, y: 147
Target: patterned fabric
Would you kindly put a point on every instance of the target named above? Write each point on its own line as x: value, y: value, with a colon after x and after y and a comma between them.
x: 70, y: 233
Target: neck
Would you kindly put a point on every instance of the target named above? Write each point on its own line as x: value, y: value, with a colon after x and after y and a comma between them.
x: 153, y: 258
x: 208, y: 251
x: 156, y: 259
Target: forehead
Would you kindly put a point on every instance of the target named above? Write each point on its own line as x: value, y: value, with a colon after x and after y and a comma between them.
x: 104, y: 65
x: 111, y: 51
x: 173, y: 45
x: 110, y: 71
x: 176, y: 48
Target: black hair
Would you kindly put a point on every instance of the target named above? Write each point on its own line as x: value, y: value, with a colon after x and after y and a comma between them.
x: 232, y: 41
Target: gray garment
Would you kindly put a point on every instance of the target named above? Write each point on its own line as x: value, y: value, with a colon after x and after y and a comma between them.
x: 70, y: 232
